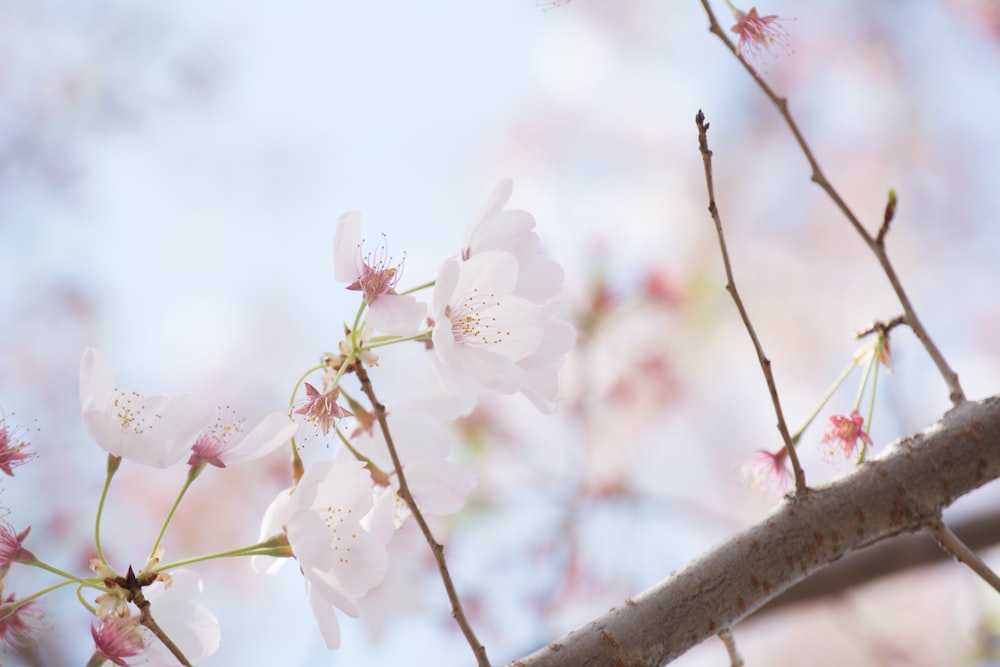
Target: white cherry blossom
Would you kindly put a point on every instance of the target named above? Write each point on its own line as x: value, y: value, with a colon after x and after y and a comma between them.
x: 155, y: 431
x: 481, y: 329
x: 339, y: 559
x: 512, y: 230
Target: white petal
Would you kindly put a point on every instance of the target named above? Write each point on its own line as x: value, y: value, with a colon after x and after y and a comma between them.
x: 346, y: 247
x: 440, y: 487
x: 272, y: 432
x: 175, y: 424
x: 275, y: 517
x: 97, y: 379
x: 397, y: 315
x: 326, y: 619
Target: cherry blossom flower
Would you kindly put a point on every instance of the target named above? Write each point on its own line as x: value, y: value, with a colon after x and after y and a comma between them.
x: 117, y: 639
x: 321, y: 517
x: 539, y: 281
x: 439, y: 486
x: 154, y: 431
x: 322, y: 408
x: 12, y: 446
x: 19, y: 621
x: 767, y: 470
x: 844, y: 433
x: 757, y: 34
x: 375, y: 276
x: 539, y: 277
x: 11, y: 550
x: 484, y: 333
x: 225, y: 442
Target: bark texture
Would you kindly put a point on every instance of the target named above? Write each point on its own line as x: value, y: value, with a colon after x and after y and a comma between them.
x: 898, y: 492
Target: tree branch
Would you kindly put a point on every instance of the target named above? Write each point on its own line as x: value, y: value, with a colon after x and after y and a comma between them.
x: 885, y: 559
x: 900, y: 491
x: 875, y: 244
x: 951, y: 544
x: 436, y: 547
x: 765, y: 363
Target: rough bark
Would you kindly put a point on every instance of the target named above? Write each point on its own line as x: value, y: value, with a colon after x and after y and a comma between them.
x: 897, y: 492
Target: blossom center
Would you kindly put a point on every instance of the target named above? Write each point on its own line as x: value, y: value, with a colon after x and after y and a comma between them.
x: 474, y: 320
x: 133, y: 412
x: 335, y: 518
x: 215, y: 441
x: 377, y: 274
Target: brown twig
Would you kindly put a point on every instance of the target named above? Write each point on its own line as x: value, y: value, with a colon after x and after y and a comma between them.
x: 951, y: 544
x: 765, y: 363
x: 436, y: 548
x: 134, y: 585
x: 735, y: 659
x: 882, y: 328
x: 875, y: 244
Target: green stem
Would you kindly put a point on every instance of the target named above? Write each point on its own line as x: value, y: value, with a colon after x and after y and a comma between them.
x: 92, y: 582
x: 112, y: 468
x: 418, y: 288
x: 876, y: 355
x: 34, y: 596
x: 192, y: 475
x: 826, y: 397
x: 864, y: 382
x: 392, y: 340
x: 276, y: 546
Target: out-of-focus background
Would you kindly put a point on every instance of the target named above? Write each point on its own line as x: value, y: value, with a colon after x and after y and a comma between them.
x: 170, y: 176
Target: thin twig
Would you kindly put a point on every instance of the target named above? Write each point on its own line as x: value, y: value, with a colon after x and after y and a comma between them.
x: 436, y: 548
x: 133, y: 585
x: 876, y: 245
x: 765, y: 363
x: 735, y: 659
x: 951, y: 544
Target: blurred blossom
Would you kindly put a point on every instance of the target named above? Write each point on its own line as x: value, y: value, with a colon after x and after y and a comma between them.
x: 71, y: 70
x: 19, y: 622
x: 12, y: 447
x: 844, y: 433
x: 767, y: 470
x: 757, y: 34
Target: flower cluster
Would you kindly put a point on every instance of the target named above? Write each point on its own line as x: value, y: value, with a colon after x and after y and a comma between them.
x: 492, y: 323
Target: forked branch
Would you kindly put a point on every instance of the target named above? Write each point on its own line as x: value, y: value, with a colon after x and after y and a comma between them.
x: 898, y: 492
x: 875, y: 243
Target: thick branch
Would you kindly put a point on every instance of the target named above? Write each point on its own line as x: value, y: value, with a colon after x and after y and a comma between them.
x: 885, y: 559
x: 898, y: 492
